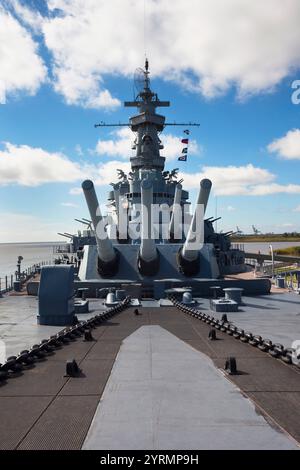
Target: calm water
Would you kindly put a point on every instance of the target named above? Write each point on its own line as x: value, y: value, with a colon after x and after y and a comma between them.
x: 37, y: 252
x: 31, y: 252
x: 264, y: 248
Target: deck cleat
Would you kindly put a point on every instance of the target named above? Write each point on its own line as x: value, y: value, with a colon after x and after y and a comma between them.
x: 88, y: 336
x: 212, y: 335
x: 72, y: 369
x: 230, y: 366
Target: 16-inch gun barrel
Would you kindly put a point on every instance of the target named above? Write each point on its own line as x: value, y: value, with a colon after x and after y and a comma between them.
x: 176, y: 215
x: 148, y: 256
x: 106, y: 252
x: 189, y: 254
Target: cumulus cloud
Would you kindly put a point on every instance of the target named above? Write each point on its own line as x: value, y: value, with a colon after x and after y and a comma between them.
x: 246, y: 180
x: 287, y: 225
x: 82, y: 89
x: 68, y: 204
x: 21, y: 68
x: 288, y: 146
x: 122, y: 140
x: 75, y: 191
x: 266, y: 189
x: 29, y: 166
x: 173, y: 147
x: 107, y: 172
x: 250, y: 45
x: 118, y: 145
x: 31, y: 18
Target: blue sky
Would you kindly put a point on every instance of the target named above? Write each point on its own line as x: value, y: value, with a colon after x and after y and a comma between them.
x: 65, y: 66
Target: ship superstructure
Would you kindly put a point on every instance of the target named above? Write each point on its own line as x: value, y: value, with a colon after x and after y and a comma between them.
x: 150, y: 236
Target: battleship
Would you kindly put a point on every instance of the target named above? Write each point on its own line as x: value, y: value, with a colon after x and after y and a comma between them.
x: 151, y: 331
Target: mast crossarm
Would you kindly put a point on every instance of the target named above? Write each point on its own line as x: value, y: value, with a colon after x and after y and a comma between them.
x: 157, y: 104
x: 186, y: 124
x: 189, y: 124
x: 102, y: 124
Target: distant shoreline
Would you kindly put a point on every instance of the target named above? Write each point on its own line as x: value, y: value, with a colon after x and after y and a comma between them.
x: 33, y: 243
x: 264, y: 239
x: 234, y: 239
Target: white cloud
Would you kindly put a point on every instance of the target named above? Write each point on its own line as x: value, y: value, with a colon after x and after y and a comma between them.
x: 68, y: 204
x: 287, y: 225
x: 122, y: 140
x: 297, y: 209
x: 21, y: 67
x: 246, y: 180
x: 287, y: 147
x: 118, y: 146
x: 82, y: 89
x: 274, y: 188
x: 251, y: 45
x: 107, y: 172
x: 31, y: 18
x: 29, y: 166
x: 79, y: 150
x: 173, y: 147
x: 230, y: 208
x: 75, y: 191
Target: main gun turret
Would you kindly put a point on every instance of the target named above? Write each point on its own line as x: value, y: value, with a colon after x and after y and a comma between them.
x: 148, y: 260
x: 107, y: 255
x: 189, y: 254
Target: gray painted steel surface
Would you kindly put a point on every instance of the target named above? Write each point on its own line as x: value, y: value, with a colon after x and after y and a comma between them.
x: 163, y: 394
x: 104, y: 245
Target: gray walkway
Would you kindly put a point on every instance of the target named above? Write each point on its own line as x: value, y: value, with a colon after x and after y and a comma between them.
x: 163, y: 394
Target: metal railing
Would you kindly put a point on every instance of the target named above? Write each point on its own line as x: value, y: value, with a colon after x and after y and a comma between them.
x: 7, y: 282
x: 238, y: 246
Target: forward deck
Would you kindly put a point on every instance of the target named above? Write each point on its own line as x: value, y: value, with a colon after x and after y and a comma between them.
x: 151, y: 381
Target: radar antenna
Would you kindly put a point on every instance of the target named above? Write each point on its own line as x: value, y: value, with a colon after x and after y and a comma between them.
x: 139, y: 80
x: 142, y: 86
